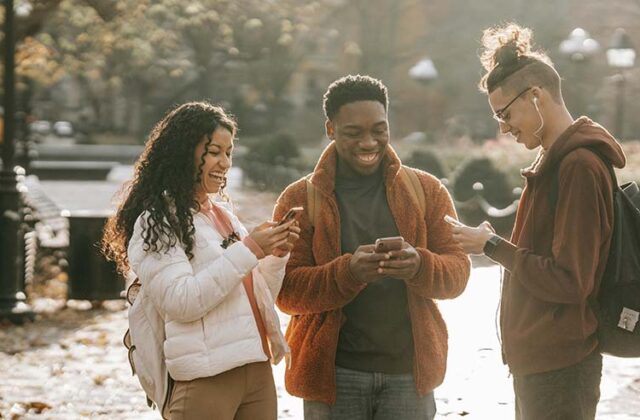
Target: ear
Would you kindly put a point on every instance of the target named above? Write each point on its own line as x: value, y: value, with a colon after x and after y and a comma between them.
x: 328, y: 126
x: 536, y: 93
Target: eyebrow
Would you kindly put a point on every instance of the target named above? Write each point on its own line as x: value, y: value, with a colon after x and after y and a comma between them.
x: 219, y: 146
x: 356, y: 126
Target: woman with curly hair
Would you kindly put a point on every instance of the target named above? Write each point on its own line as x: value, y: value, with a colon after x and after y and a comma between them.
x: 213, y: 283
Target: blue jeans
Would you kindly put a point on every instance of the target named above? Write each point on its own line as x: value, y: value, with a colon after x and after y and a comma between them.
x: 373, y: 396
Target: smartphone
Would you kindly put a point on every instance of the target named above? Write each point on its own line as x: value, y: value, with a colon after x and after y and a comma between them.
x: 393, y: 243
x: 452, y: 221
x: 291, y: 214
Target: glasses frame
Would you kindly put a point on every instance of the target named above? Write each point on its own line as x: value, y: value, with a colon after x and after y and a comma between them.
x: 499, y: 114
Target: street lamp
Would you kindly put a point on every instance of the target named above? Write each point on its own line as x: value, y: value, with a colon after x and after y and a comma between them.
x: 620, y: 55
x: 423, y: 72
x: 579, y: 46
x: 12, y: 297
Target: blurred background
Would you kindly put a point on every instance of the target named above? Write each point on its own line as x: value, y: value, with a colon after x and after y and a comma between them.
x: 102, y: 72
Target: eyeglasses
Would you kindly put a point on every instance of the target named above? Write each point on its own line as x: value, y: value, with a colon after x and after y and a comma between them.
x: 499, y: 114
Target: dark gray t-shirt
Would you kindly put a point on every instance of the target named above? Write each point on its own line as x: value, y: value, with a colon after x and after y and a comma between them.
x: 376, y: 336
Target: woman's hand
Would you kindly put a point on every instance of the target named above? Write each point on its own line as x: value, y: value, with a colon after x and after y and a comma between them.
x: 294, y: 234
x: 270, y: 237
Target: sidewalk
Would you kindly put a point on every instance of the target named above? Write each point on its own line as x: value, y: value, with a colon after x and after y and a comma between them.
x: 70, y: 364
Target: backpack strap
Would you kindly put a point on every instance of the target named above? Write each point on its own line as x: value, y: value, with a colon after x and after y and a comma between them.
x: 410, y: 179
x: 313, y: 197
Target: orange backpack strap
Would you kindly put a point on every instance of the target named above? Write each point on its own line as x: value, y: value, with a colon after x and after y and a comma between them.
x: 410, y: 179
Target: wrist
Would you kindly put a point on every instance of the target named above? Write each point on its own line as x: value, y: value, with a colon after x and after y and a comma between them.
x: 254, y: 247
x: 491, y: 244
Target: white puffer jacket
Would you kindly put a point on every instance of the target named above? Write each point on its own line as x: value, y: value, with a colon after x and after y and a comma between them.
x: 209, y: 325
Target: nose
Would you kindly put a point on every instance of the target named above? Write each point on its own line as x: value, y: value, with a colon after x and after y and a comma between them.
x: 504, y: 127
x: 225, y: 161
x: 368, y: 142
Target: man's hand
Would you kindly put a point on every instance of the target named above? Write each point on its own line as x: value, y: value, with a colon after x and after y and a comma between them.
x: 403, y: 264
x: 473, y: 239
x: 365, y: 262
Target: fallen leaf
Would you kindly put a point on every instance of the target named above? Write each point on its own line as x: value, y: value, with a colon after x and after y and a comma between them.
x: 99, y: 379
x: 37, y: 406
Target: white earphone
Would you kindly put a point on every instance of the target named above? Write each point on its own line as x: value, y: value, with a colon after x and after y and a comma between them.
x: 537, y: 132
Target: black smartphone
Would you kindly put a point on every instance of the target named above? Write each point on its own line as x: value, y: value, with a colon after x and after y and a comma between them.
x: 291, y: 214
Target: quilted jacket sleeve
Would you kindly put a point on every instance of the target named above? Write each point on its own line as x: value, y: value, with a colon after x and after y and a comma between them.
x: 177, y: 291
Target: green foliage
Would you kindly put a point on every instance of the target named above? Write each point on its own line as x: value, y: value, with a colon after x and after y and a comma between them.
x: 154, y: 54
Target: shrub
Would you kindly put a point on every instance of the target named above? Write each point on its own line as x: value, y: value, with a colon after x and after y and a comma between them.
x: 427, y: 161
x: 496, y: 191
x: 271, y: 163
x: 279, y: 149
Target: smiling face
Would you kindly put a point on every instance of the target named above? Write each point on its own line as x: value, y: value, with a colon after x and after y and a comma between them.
x: 212, y: 164
x: 361, y: 133
x: 518, y: 117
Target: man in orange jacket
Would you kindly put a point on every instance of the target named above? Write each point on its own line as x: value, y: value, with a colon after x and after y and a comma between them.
x: 367, y: 340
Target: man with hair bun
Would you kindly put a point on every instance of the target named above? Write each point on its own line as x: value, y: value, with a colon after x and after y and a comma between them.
x: 367, y: 340
x: 558, y: 250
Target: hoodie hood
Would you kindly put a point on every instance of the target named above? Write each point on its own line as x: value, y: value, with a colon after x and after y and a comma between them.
x: 582, y: 133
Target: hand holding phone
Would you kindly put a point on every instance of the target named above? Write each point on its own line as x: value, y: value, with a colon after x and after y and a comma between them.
x: 291, y: 214
x: 393, y: 243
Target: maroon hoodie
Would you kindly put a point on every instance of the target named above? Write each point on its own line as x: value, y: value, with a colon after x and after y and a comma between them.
x: 557, y: 254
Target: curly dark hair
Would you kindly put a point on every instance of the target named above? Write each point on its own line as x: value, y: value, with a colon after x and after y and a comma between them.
x: 164, y: 183
x: 352, y: 89
x: 507, y: 51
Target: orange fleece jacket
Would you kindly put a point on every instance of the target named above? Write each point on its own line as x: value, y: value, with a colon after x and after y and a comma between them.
x: 318, y: 282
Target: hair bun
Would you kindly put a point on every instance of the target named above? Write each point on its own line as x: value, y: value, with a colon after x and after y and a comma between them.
x: 505, y: 46
x: 507, y: 55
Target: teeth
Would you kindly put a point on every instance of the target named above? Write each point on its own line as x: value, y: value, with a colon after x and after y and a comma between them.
x: 368, y: 157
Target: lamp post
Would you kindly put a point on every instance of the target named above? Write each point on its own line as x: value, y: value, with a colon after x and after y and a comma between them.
x: 621, y: 55
x: 12, y: 297
x: 424, y: 72
x: 579, y: 47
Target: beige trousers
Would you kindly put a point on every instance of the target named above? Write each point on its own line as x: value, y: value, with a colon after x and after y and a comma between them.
x: 244, y: 393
